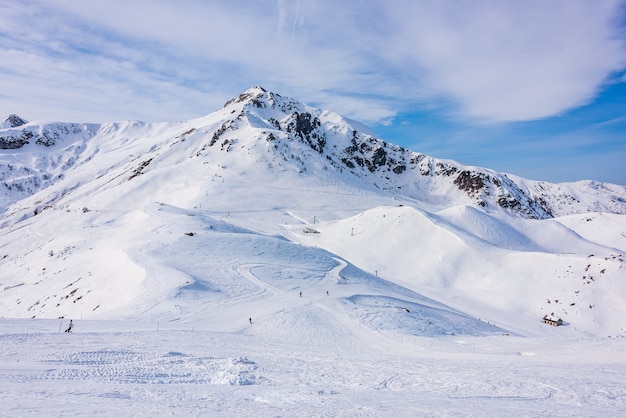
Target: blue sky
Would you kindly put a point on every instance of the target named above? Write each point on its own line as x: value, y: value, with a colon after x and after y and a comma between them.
x: 532, y: 88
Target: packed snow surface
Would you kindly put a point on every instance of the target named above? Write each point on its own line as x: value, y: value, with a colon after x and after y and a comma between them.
x: 306, y: 360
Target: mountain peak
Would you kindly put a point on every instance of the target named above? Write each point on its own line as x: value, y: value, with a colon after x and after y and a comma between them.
x: 250, y: 95
x: 13, y: 121
x: 256, y: 89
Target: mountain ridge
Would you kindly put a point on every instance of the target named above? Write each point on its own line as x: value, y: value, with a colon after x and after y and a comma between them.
x: 339, y: 144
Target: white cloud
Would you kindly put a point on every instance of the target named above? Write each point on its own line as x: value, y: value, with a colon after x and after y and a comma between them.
x: 482, y: 60
x: 505, y: 61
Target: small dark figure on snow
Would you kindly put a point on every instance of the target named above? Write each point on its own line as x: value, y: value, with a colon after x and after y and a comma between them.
x: 300, y: 294
x: 250, y: 320
x: 69, y: 328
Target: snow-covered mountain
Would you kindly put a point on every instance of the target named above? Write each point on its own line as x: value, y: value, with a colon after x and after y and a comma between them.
x: 304, y: 138
x: 268, y: 196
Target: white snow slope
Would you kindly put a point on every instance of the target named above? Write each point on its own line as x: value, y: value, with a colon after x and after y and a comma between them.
x: 228, y: 266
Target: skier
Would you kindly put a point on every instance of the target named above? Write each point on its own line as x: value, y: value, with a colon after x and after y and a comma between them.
x: 250, y: 320
x: 69, y: 329
x: 300, y: 294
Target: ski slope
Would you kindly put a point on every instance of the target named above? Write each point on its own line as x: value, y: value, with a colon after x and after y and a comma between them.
x: 354, y: 343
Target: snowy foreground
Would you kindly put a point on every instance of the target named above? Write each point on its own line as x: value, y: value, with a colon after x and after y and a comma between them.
x: 116, y: 368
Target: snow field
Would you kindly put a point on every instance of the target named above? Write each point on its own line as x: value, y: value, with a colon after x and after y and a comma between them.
x: 100, y: 369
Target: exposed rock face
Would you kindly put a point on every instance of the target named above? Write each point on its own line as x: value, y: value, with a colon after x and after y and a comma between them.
x: 306, y: 127
x: 45, y: 136
x: 13, y: 121
x: 470, y: 182
x: 507, y: 194
x: 15, y: 141
x: 373, y: 154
